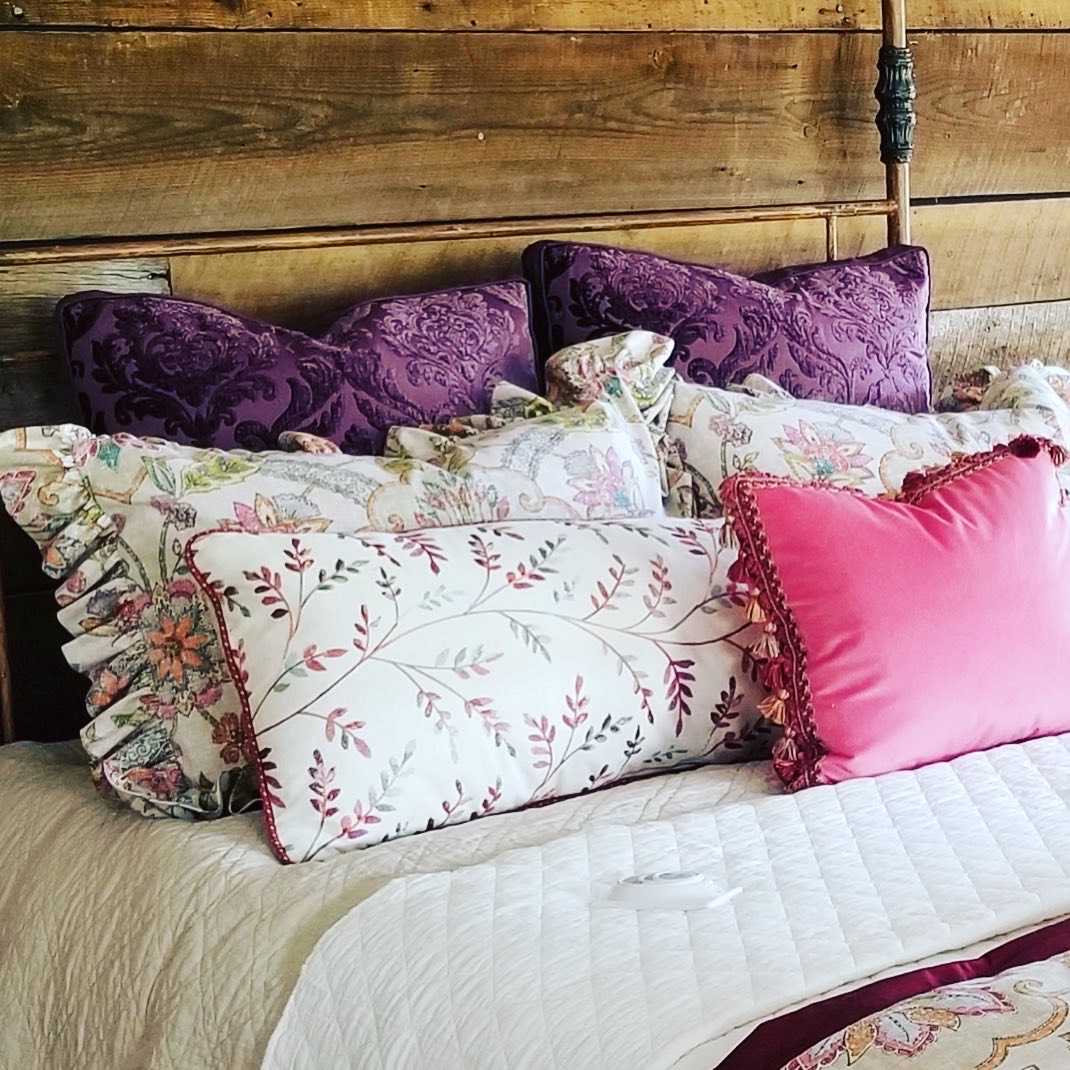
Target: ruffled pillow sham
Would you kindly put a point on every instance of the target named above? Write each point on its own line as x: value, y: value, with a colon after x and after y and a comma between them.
x: 388, y: 679
x: 198, y: 375
x: 721, y: 433
x: 882, y: 650
x: 853, y: 331
x: 112, y: 516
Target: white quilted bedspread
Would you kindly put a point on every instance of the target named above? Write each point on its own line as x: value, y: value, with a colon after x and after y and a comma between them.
x: 130, y: 944
x: 520, y: 963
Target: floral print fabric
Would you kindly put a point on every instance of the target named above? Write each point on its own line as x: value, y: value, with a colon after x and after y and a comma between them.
x: 721, y: 433
x: 991, y: 387
x: 197, y: 375
x: 1016, y: 1020
x: 112, y: 516
x: 853, y: 331
x: 389, y: 679
x: 625, y: 372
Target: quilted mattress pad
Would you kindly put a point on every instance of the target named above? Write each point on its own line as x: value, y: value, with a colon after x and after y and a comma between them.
x: 523, y: 962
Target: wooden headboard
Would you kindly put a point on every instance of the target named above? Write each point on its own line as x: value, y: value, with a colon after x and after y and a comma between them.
x: 286, y: 159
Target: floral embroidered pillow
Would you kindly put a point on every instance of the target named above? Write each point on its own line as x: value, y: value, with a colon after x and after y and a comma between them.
x: 198, y: 375
x: 854, y: 331
x: 112, y: 516
x: 625, y: 372
x: 388, y: 680
x: 721, y: 433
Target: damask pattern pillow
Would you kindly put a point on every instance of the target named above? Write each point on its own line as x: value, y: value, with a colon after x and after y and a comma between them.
x: 882, y: 651
x: 721, y: 433
x: 853, y: 331
x: 112, y: 516
x: 200, y: 376
x: 388, y: 679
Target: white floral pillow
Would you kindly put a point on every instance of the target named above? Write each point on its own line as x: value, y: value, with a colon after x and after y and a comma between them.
x: 1028, y: 385
x: 624, y: 373
x: 619, y: 477
x: 400, y: 682
x: 112, y: 516
x: 719, y: 433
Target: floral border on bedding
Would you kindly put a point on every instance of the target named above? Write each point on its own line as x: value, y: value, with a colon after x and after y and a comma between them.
x: 1017, y: 1019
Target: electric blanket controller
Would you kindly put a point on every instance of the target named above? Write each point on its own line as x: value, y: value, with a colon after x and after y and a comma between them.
x: 670, y: 890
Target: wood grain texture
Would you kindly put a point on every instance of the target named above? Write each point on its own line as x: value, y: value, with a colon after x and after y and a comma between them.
x: 34, y: 386
x: 302, y: 287
x: 467, y: 15
x: 184, y: 133
x: 992, y: 114
x: 965, y: 339
x: 999, y: 253
x: 181, y: 133
x: 29, y: 294
x: 988, y: 253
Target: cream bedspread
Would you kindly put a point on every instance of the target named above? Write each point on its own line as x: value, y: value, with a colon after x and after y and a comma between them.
x: 128, y: 943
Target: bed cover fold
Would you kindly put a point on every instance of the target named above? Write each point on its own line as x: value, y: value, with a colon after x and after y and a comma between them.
x: 523, y: 963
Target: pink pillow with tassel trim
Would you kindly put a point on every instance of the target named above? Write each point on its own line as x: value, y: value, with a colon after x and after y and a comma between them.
x: 908, y: 631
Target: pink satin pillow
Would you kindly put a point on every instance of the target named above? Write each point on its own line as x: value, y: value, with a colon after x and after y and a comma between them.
x: 905, y: 632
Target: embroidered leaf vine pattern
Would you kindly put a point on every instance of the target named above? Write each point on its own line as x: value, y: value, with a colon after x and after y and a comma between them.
x: 414, y: 624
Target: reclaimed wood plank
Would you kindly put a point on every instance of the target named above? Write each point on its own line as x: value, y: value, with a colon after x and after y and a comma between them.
x: 533, y: 15
x: 213, y: 131
x: 991, y: 114
x: 302, y: 287
x: 121, y: 134
x: 34, y: 385
x: 962, y: 340
x: 29, y: 294
x: 986, y: 253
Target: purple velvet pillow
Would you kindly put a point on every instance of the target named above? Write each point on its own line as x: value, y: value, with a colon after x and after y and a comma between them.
x: 852, y: 331
x: 197, y: 375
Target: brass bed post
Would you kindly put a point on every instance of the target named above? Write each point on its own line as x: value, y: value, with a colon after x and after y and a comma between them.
x: 895, y: 117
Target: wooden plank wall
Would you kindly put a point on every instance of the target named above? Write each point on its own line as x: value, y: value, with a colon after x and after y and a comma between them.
x: 193, y: 117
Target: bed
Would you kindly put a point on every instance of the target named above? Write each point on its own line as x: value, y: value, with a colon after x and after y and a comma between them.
x: 158, y: 914
x: 917, y: 916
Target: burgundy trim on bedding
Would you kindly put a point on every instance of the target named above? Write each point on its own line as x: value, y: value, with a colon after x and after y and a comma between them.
x: 781, y: 1039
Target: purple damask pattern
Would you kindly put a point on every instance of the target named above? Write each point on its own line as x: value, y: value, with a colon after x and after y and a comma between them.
x: 852, y: 331
x: 200, y: 376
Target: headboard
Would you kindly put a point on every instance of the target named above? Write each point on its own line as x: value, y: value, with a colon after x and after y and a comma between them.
x: 337, y: 154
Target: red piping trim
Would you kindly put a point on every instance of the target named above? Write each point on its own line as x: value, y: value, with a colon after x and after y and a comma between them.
x: 205, y: 582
